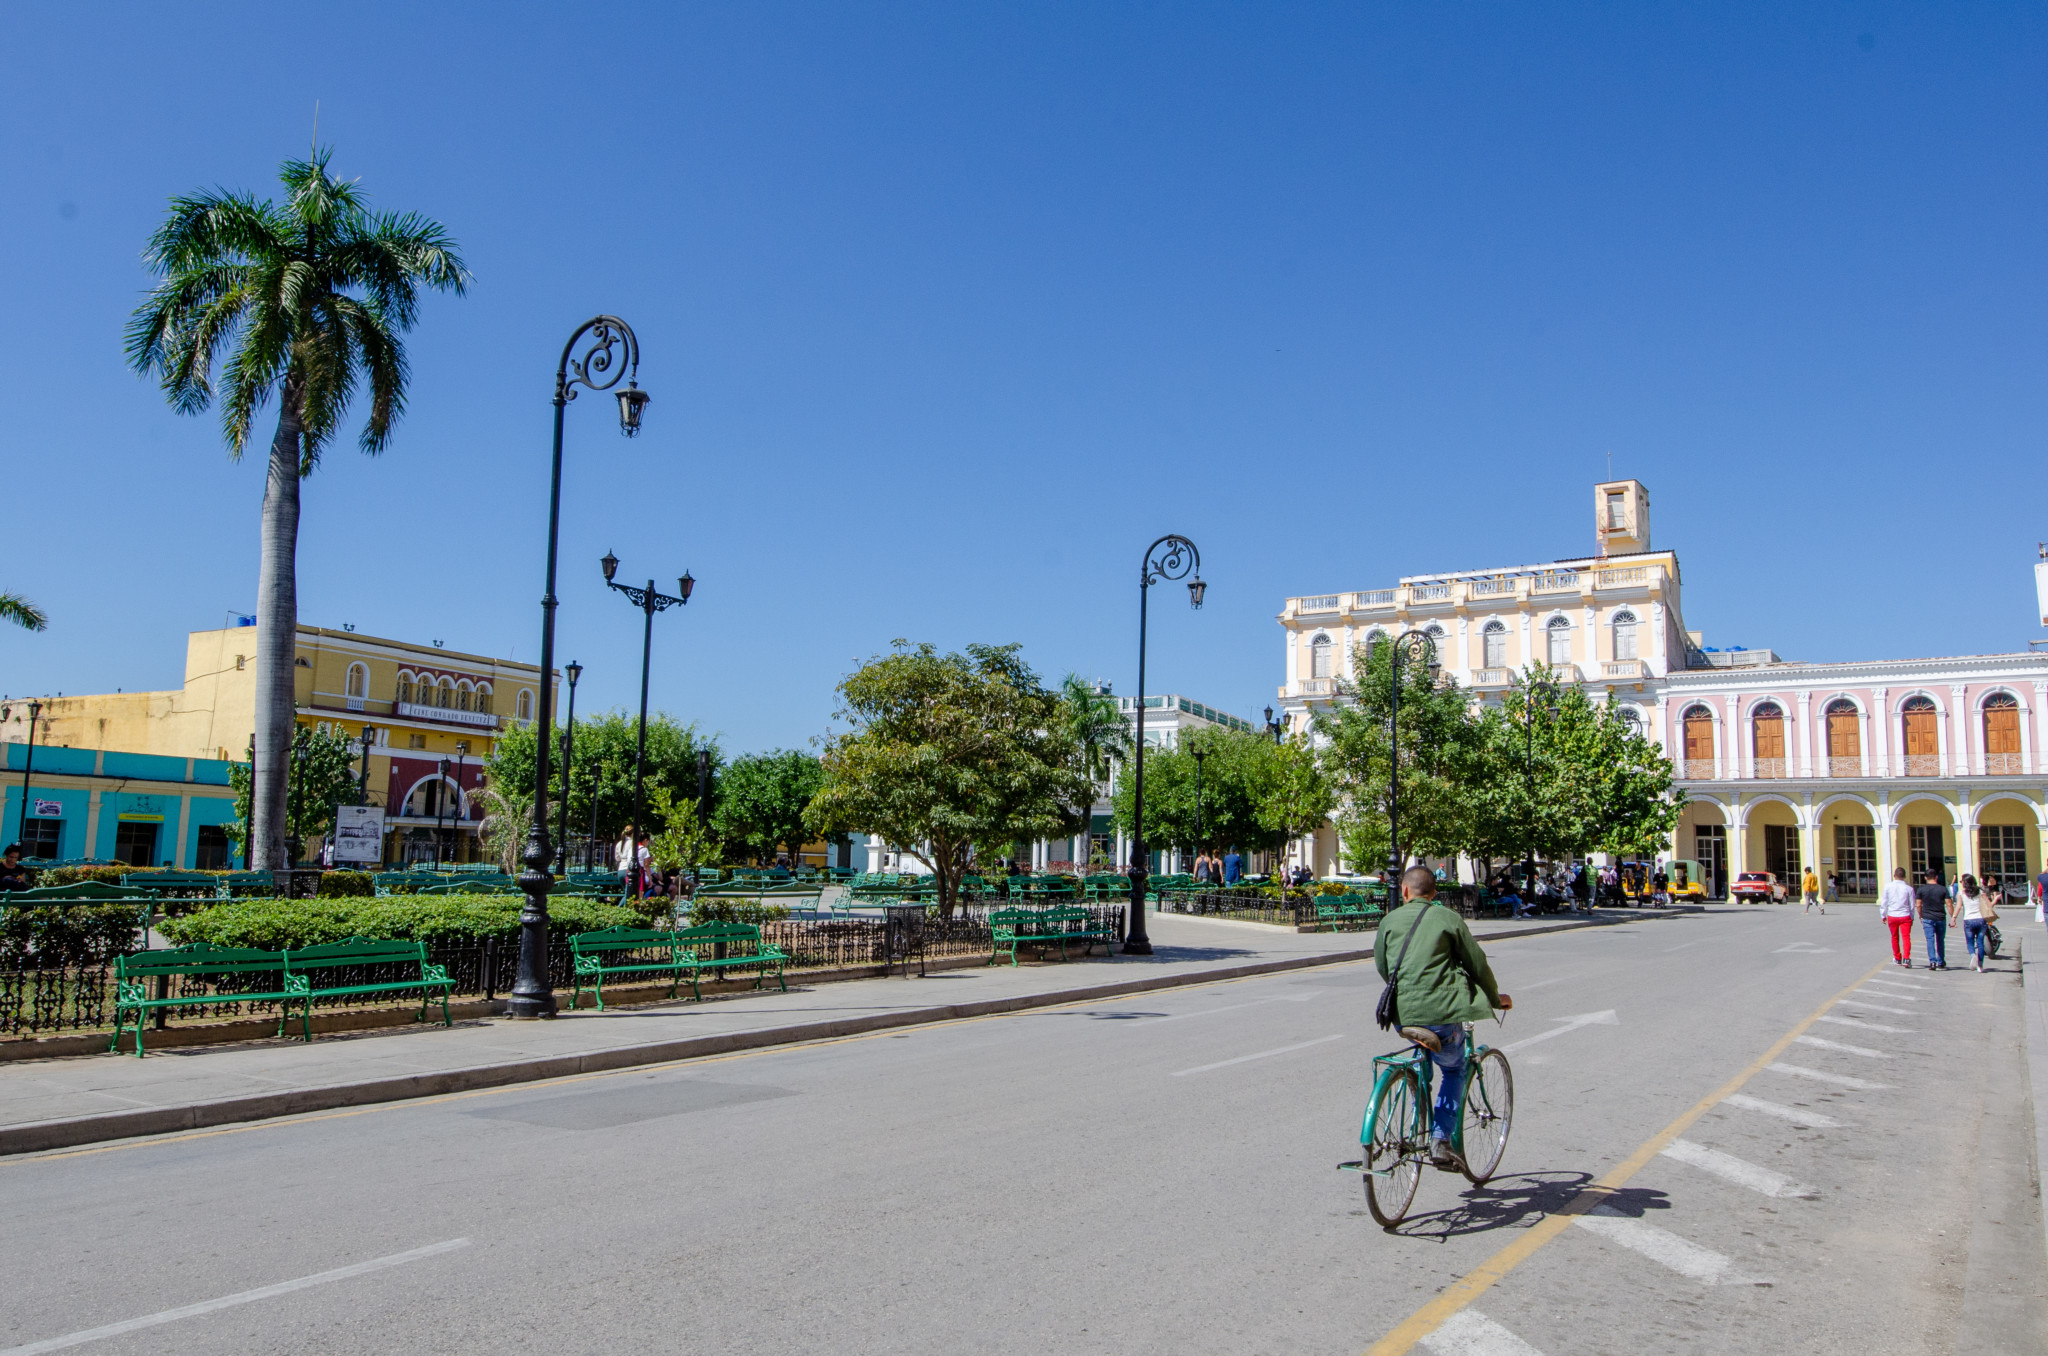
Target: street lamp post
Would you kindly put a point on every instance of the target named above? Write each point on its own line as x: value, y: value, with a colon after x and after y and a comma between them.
x: 1428, y: 650
x: 1171, y: 557
x: 35, y: 711
x: 1549, y: 706
x: 440, y: 812
x: 613, y: 352
x: 649, y: 602
x: 572, y: 670
x: 1201, y: 756
x: 369, y: 742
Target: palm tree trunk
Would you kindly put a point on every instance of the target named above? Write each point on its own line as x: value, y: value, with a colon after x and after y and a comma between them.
x: 277, y: 631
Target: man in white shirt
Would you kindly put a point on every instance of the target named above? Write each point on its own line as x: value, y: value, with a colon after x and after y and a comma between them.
x: 1895, y: 906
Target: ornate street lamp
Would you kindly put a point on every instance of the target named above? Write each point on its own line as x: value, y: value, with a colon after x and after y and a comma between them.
x: 35, y: 711
x: 1201, y: 756
x: 572, y: 670
x: 440, y: 812
x: 1171, y: 557
x: 610, y: 353
x: 649, y: 602
x: 1395, y: 660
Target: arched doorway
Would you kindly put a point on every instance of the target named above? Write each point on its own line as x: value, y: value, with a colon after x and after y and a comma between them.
x: 1702, y: 838
x: 1846, y: 843
x: 1771, y: 841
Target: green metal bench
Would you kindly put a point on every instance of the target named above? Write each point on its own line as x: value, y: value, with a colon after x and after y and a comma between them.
x: 206, y: 964
x: 181, y: 884
x: 705, y: 939
x: 237, y: 884
x: 305, y: 967
x: 1346, y: 911
x: 626, y: 951
x: 82, y: 892
x: 1042, y: 928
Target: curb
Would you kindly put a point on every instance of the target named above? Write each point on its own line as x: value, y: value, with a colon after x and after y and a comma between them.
x: 2034, y: 1035
x: 43, y: 1136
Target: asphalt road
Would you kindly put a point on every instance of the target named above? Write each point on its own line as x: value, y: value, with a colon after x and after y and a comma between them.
x: 1151, y: 1174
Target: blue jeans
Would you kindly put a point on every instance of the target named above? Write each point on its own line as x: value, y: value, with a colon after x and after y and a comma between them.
x: 1443, y: 1121
x: 1974, y: 938
x: 1937, y: 940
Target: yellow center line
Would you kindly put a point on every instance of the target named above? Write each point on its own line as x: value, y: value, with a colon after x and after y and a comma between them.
x: 1474, y: 1283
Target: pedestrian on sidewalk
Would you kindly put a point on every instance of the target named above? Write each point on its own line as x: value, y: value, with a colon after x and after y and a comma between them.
x: 1971, y: 909
x: 1233, y: 867
x: 1895, y: 906
x: 1933, y: 901
x: 1809, y: 890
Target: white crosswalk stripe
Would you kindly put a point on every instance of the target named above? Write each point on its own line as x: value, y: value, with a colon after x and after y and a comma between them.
x: 1862, y: 1050
x: 1801, y: 1071
x: 1870, y: 1026
x: 1868, y: 1006
x: 1811, y: 1119
x: 1470, y: 1333
x: 1662, y: 1246
x: 1740, y: 1171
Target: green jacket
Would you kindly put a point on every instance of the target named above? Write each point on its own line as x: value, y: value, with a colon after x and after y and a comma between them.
x: 1446, y: 978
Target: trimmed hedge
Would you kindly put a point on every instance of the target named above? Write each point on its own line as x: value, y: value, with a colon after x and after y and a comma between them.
x: 275, y: 924
x: 735, y: 911
x: 347, y: 885
x: 69, y: 934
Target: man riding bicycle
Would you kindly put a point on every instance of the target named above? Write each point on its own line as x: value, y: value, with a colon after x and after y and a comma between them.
x: 1444, y: 983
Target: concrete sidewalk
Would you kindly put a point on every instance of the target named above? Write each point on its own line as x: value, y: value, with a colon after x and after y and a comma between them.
x: 56, y: 1103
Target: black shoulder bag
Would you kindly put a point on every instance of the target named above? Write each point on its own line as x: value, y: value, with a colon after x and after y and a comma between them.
x: 1389, y: 1010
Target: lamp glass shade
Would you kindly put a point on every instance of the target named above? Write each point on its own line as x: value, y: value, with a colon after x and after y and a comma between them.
x: 574, y: 671
x: 632, y: 400
x: 1196, y: 588
x: 1269, y: 715
x: 684, y: 585
x: 610, y: 564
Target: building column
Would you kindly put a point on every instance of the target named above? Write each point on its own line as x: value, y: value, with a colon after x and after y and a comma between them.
x: 1880, y: 729
x: 1738, y: 838
x: 1966, y: 837
x: 2040, y: 728
x: 1809, y: 837
x: 92, y: 824
x: 1961, y: 763
x: 181, y: 856
x: 1887, y: 852
x: 1806, y: 737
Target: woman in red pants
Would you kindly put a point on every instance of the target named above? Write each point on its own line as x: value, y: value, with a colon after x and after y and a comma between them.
x: 1895, y: 906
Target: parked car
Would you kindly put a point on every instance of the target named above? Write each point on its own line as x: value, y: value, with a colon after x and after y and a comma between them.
x: 1759, y: 887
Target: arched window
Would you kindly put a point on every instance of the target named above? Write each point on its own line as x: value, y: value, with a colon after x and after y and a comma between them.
x: 1624, y: 635
x: 444, y: 693
x: 483, y: 698
x: 1921, y: 724
x: 2001, y: 734
x: 405, y: 685
x: 525, y: 704
x: 1845, y: 739
x: 1493, y: 644
x: 1559, y: 634
x: 462, y: 695
x: 358, y: 685
x: 1699, y: 743
x: 1374, y: 640
x: 1320, y: 652
x: 1767, y: 739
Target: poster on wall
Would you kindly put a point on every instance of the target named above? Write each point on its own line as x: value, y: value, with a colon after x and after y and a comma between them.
x: 49, y: 809
x: 358, y: 835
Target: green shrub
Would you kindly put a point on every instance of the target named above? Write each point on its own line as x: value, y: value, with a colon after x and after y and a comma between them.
x: 346, y: 885
x: 70, y: 934
x: 69, y: 875
x: 736, y: 911
x: 275, y: 924
x: 1333, y: 887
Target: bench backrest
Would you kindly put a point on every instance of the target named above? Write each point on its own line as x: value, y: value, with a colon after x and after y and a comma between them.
x: 354, y: 951
x: 710, y: 933
x: 78, y: 891
x: 170, y: 880
x: 620, y: 939
x: 199, y: 959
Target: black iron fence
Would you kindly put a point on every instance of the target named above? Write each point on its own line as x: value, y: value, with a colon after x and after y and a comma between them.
x: 61, y: 996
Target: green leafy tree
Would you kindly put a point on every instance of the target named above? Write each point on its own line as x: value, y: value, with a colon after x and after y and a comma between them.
x: 508, y: 814
x: 1292, y: 796
x: 947, y: 751
x: 603, y: 773
x: 322, y: 778
x: 22, y: 612
x: 761, y: 802
x: 1438, y: 743
x: 682, y: 843
x: 1219, y: 808
x: 1094, y: 722
x: 312, y: 295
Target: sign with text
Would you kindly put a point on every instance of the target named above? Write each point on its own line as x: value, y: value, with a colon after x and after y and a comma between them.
x: 49, y: 809
x: 359, y: 834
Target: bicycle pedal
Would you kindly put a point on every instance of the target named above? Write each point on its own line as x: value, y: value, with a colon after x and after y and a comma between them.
x: 1355, y: 1165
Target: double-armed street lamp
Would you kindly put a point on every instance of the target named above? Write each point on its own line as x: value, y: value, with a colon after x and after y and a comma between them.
x: 1540, y: 695
x: 1171, y: 557
x: 35, y: 712
x: 368, y: 742
x: 610, y: 353
x: 649, y: 601
x: 1402, y: 647
x: 572, y: 670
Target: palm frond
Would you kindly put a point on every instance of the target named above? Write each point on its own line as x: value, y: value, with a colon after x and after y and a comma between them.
x: 384, y: 362
x: 22, y: 612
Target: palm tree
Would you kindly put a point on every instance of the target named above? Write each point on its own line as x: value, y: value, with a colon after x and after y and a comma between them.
x: 312, y: 296
x: 22, y: 612
x: 1096, y: 723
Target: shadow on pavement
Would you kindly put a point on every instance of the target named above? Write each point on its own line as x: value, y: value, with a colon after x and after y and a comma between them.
x: 1518, y: 1201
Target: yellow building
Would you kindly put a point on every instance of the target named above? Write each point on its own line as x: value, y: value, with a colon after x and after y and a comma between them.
x: 425, y: 705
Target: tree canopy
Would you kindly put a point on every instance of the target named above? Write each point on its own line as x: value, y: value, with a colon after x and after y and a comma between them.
x: 947, y: 752
x: 322, y: 778
x: 761, y: 802
x: 1253, y: 794
x: 604, y: 768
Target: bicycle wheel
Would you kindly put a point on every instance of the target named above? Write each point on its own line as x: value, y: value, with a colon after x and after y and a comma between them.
x: 1393, y: 1157
x: 1488, y: 1116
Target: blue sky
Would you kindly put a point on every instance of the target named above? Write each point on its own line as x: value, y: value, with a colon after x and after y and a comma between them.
x: 948, y: 310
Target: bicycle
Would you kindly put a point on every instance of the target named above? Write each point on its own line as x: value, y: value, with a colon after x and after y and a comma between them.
x: 1395, y: 1135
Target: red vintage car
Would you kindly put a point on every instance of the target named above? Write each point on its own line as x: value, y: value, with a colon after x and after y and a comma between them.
x: 1759, y: 887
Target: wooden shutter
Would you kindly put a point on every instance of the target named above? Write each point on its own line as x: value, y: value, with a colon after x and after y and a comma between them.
x: 1844, y: 739
x: 1770, y: 734
x: 1699, y: 737
x: 1921, y: 736
x: 2001, y: 725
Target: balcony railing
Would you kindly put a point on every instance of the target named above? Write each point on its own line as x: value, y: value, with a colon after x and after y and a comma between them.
x: 1923, y: 765
x: 1845, y: 767
x: 1491, y: 677
x: 1770, y: 767
x: 1696, y: 769
x: 1429, y: 593
x: 1315, y: 687
x: 1633, y: 577
x: 1558, y: 581
x: 453, y: 715
x: 1622, y: 668
x: 1492, y: 588
x: 1373, y: 598
x: 1326, y: 602
x: 2001, y: 764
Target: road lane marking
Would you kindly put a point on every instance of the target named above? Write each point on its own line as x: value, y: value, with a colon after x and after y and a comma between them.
x: 230, y: 1301
x: 1862, y: 1050
x: 1471, y: 1333
x: 1740, y: 1171
x: 1886, y: 986
x: 1241, y: 1059
x: 1662, y: 1246
x: 1477, y: 1281
x: 1898, y: 983
x: 1606, y: 1018
x: 1804, y: 949
x: 1801, y: 1071
x: 1812, y: 1120
x: 1870, y: 1026
x: 1233, y: 1007
x: 1877, y: 1007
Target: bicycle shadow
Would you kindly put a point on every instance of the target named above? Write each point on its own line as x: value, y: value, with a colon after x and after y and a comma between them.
x: 1519, y: 1201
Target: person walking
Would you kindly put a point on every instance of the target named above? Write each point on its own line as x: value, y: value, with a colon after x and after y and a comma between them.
x: 1233, y: 867
x: 1973, y: 910
x: 1895, y: 906
x: 1809, y: 891
x: 1444, y: 983
x: 1933, y: 901
x: 1205, y: 868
